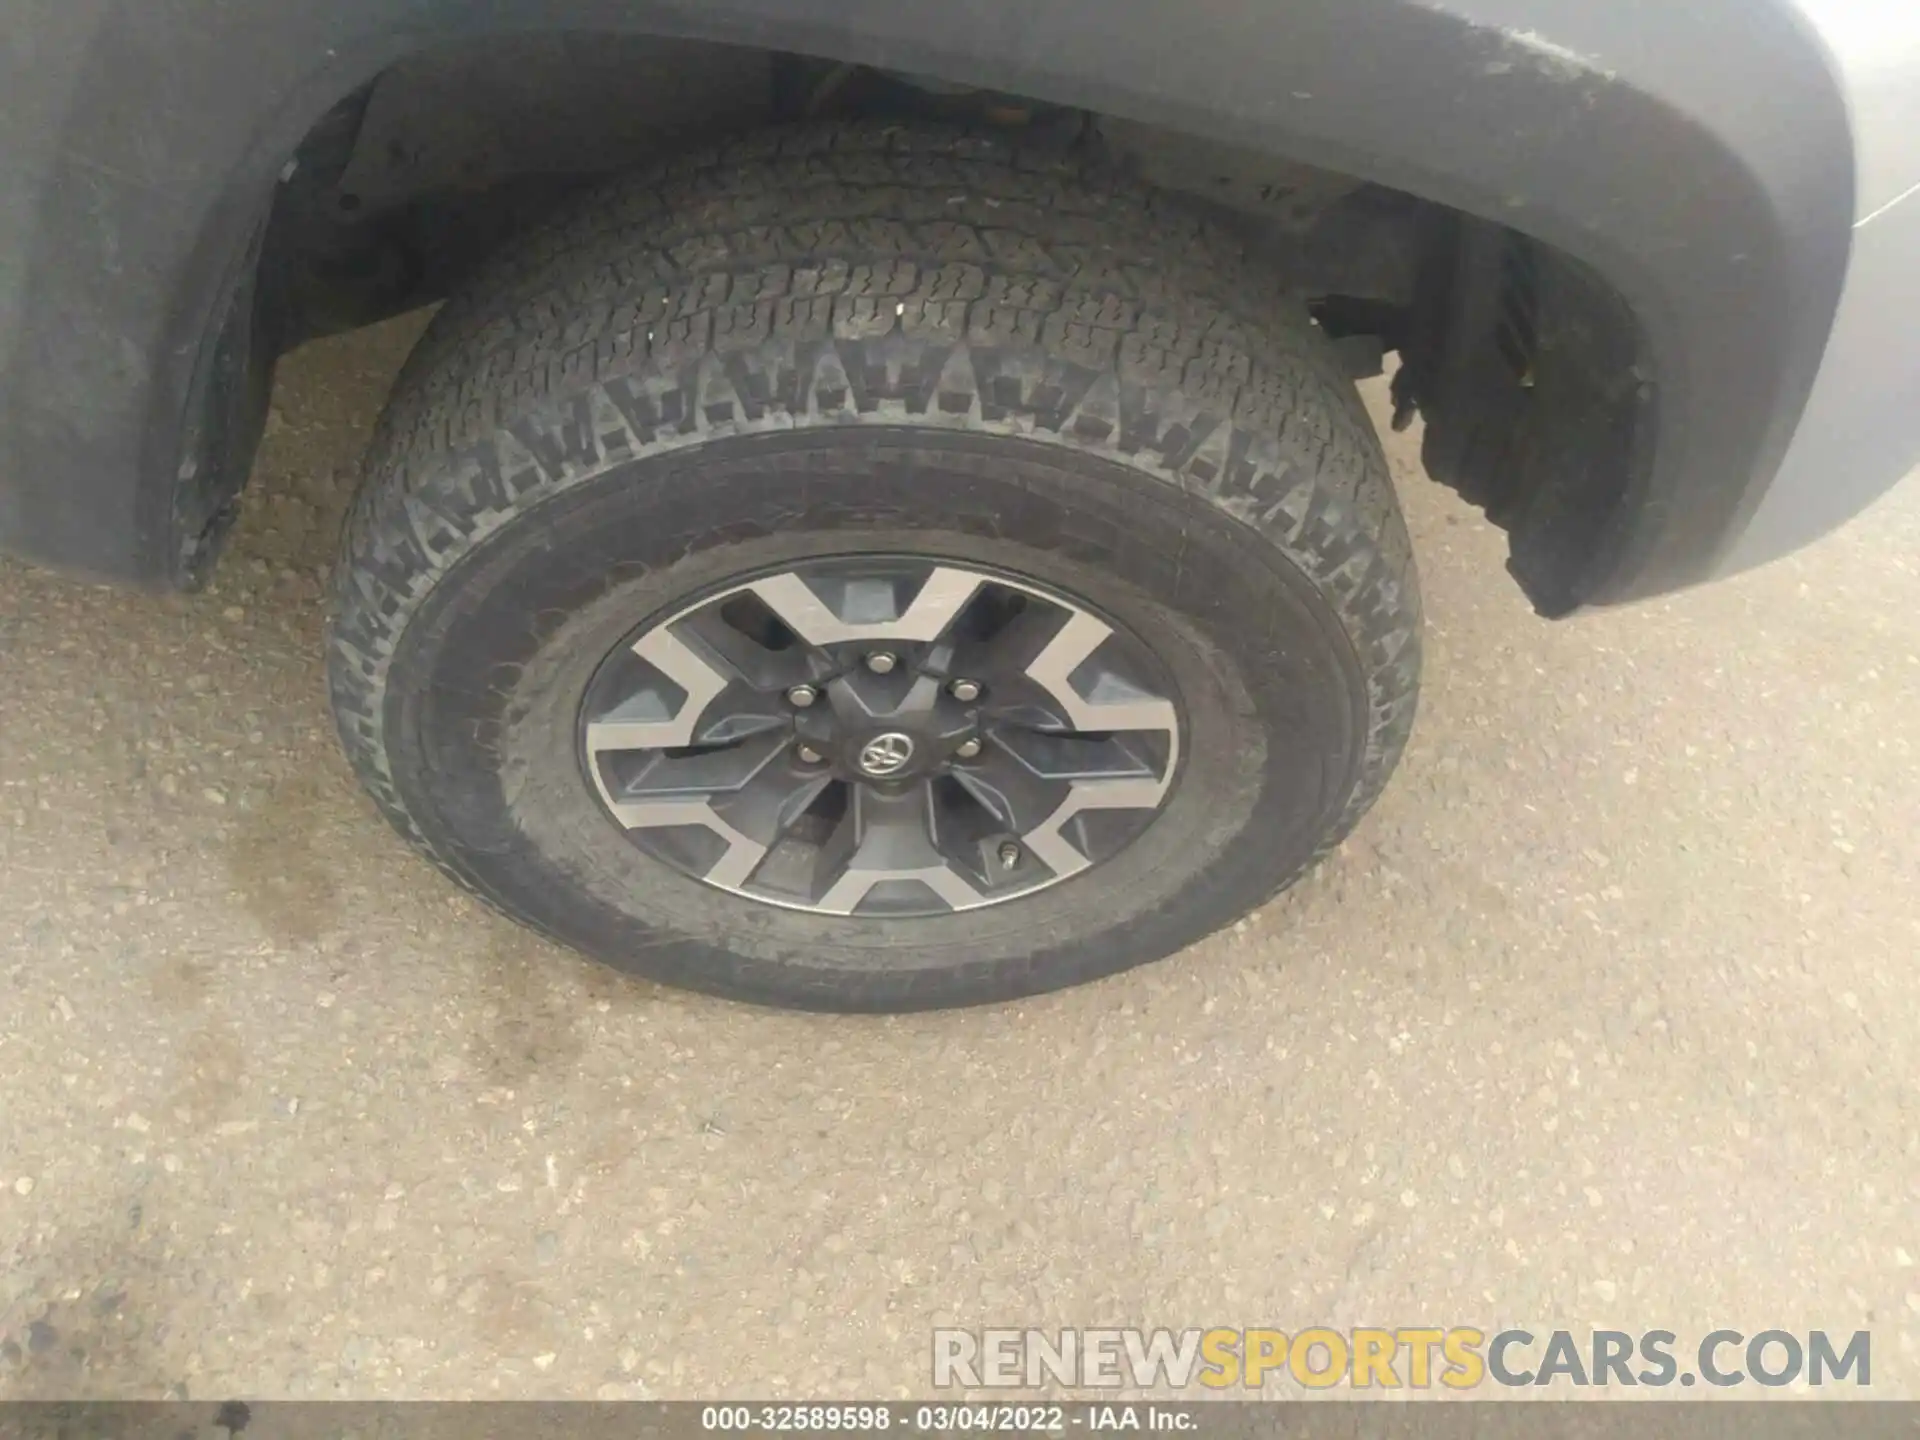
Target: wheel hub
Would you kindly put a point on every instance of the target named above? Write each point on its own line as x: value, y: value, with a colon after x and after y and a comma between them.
x: 882, y: 736
x: 886, y: 756
x: 888, y: 727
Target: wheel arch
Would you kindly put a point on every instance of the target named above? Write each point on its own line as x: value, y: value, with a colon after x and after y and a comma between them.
x: 1631, y: 145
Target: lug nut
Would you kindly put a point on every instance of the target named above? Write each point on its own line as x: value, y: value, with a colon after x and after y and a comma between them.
x: 881, y: 662
x: 967, y: 749
x: 1009, y: 855
x: 965, y: 690
x: 808, y: 755
x: 801, y: 696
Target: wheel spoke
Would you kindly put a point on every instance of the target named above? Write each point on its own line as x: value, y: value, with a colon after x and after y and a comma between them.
x: 1036, y: 782
x: 651, y: 719
x: 856, y: 609
x: 886, y: 837
x: 743, y: 853
x: 1016, y: 795
x: 1103, y: 700
x: 746, y: 794
x: 1053, y: 755
x: 1049, y: 841
x: 722, y: 769
x: 778, y: 796
x: 760, y: 665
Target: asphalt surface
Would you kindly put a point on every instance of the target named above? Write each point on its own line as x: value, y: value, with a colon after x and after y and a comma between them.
x: 1607, y: 1016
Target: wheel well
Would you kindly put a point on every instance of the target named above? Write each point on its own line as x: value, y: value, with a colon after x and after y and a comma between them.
x: 1530, y: 371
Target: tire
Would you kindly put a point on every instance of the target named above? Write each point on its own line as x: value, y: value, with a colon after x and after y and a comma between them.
x: 857, y: 340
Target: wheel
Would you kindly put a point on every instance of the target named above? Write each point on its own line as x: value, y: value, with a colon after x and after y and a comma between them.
x: 874, y: 568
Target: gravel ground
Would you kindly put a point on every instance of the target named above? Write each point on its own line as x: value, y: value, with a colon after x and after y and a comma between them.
x: 1607, y: 1015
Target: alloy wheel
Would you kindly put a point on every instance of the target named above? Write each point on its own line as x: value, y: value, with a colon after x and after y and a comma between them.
x: 882, y: 736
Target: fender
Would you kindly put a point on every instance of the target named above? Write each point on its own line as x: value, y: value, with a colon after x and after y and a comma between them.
x: 1697, y: 157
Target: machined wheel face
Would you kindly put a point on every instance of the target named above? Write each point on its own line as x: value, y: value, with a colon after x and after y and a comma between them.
x: 882, y: 735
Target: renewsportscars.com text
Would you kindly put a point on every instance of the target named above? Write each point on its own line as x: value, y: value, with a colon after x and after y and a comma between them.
x: 1460, y: 1357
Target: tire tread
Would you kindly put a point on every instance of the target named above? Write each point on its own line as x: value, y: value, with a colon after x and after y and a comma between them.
x: 873, y: 230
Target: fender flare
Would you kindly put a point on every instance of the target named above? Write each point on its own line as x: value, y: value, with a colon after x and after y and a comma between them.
x: 1696, y: 157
